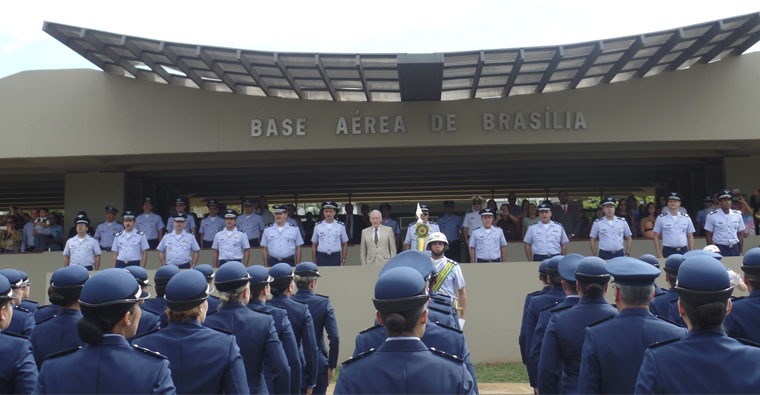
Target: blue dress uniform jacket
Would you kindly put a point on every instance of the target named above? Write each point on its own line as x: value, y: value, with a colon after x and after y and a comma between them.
x: 537, y: 303
x: 404, y: 366
x: 202, y: 360
x: 659, y: 305
x: 22, y: 322
x: 443, y: 315
x: 157, y: 305
x: 744, y: 320
x: 563, y: 344
x: 703, y: 362
x: 324, y: 321
x: 30, y: 305
x: 56, y: 334
x: 259, y: 345
x: 523, y: 334
x: 537, y: 339
x: 613, y: 350
x: 102, y: 369
x: 45, y: 312
x: 18, y: 373
x: 287, y: 337
x: 303, y: 328
x: 213, y: 304
x: 149, y: 322
x: 437, y: 336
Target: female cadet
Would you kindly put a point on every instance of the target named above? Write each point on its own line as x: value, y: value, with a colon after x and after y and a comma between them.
x: 403, y: 364
x: 59, y: 332
x: 18, y: 373
x: 218, y: 367
x: 108, y: 364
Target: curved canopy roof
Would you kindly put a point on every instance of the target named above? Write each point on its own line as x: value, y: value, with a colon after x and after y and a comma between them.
x: 411, y: 77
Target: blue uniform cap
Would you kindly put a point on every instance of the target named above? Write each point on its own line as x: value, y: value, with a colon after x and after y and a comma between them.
x: 672, y: 263
x: 399, y: 290
x: 330, y: 204
x: 281, y: 271
x: 609, y: 201
x: 128, y: 214
x: 592, y: 269
x: 186, y: 290
x: 6, y: 291
x: 247, y: 202
x: 544, y: 206
x: 385, y: 205
x: 109, y: 287
x: 307, y: 269
x: 231, y: 276
x: 487, y: 211
x: 632, y: 271
x: 542, y: 266
x: 178, y: 201
x: 553, y: 264
x: 147, y: 200
x: 693, y: 253
x: 568, y: 265
x: 725, y: 194
x: 140, y: 274
x: 180, y: 216
x: 674, y: 196
x: 24, y: 278
x: 650, y: 259
x: 751, y: 262
x: 111, y: 209
x: 703, y: 279
x: 259, y: 274
x: 212, y: 203
x: 73, y: 276
x: 81, y: 219
x: 164, y: 273
x: 414, y: 259
x: 707, y: 198
x: 279, y: 208
x: 447, y: 203
x: 230, y: 213
x: 207, y: 271
x: 424, y: 207
x: 14, y: 277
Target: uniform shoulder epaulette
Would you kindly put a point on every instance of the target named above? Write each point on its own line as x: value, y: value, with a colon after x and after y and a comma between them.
x: 432, y: 223
x: 446, y: 355
x: 44, y: 320
x: 12, y: 334
x: 323, y: 296
x: 150, y: 332
x: 664, y: 342
x: 598, y: 219
x: 451, y: 261
x: 561, y: 308
x: 221, y: 330
x: 555, y: 222
x: 620, y: 218
x: 448, y: 327
x: 535, y: 223
x: 736, y: 211
x: 263, y: 312
x: 24, y: 309
x: 117, y: 234
x: 551, y: 306
x: 62, y: 353
x: 340, y: 223
x: 318, y: 222
x: 371, y: 328
x: 657, y: 295
x: 748, y: 342
x: 685, y: 214
x: 270, y: 225
x: 663, y: 215
x: 603, y: 320
x: 534, y: 293
x: 357, y: 357
x: 146, y: 351
x: 139, y: 232
x: 32, y: 302
x: 712, y: 212
x: 474, y: 229
x: 293, y: 225
x: 669, y: 321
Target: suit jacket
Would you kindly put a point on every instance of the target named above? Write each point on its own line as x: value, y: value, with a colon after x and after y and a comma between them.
x: 570, y: 221
x: 354, y: 233
x: 381, y: 253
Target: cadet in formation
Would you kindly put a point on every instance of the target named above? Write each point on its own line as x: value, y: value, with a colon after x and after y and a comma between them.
x: 202, y: 360
x: 660, y: 305
x: 706, y: 360
x: 108, y: 364
x: 22, y: 322
x: 208, y: 273
x: 149, y: 321
x: 18, y: 372
x: 613, y: 349
x: 542, y: 277
x: 254, y: 332
x: 307, y: 274
x: 157, y: 305
x: 403, y: 364
x: 59, y: 332
x: 744, y: 320
x: 560, y: 361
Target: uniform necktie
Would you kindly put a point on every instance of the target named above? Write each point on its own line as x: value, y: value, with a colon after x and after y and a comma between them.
x: 376, y: 240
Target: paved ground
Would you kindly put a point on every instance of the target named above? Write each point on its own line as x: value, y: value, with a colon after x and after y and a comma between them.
x: 492, y: 388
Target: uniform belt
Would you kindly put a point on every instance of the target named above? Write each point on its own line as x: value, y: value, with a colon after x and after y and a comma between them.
x: 678, y: 249
x: 726, y: 245
x: 282, y: 259
x: 326, y: 253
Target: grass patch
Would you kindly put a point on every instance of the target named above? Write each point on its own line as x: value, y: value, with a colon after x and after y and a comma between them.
x: 501, y: 373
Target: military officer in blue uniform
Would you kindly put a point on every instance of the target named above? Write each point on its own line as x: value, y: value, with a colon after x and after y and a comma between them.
x: 744, y: 320
x: 545, y: 238
x: 660, y: 304
x: 560, y: 362
x: 59, y: 332
x: 260, y: 293
x: 329, y: 241
x: 652, y: 260
x: 282, y: 288
x: 108, y: 364
x: 22, y: 321
x: 210, y: 225
x: 281, y: 241
x: 157, y: 305
x: 614, y: 348
x: 472, y: 220
x: 212, y: 300
x: 254, y: 331
x: 403, y: 364
x: 251, y: 223
x: 724, y: 227
x: 149, y: 223
x: 218, y: 367
x: 566, y: 267
x: 674, y: 228
x: 385, y: 211
x: 106, y: 230
x: 487, y: 244
x: 179, y: 206
x: 542, y: 277
x: 18, y: 372
x: 451, y: 226
x: 82, y: 249
x: 230, y: 244
x: 149, y: 321
x: 610, y: 232
x: 706, y: 361
x: 323, y: 315
x: 130, y: 247
x: 418, y: 232
x: 178, y: 247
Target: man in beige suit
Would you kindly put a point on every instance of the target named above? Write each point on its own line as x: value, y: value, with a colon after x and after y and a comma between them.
x: 377, y: 243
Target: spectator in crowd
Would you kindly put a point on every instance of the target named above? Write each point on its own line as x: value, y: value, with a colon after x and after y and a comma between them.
x: 508, y: 222
x: 530, y: 218
x: 365, y: 215
x: 740, y: 204
x: 634, y: 209
x: 450, y: 224
x: 625, y: 212
x: 308, y: 227
x: 263, y: 211
x: 584, y: 224
x: 385, y: 210
x: 647, y: 222
x: 50, y: 237
x: 754, y: 202
x: 567, y: 215
x: 10, y: 237
x: 378, y: 245
x: 28, y: 243
x: 514, y: 209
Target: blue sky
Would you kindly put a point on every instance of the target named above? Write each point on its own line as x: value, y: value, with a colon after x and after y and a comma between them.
x: 344, y: 26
